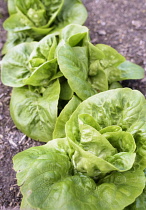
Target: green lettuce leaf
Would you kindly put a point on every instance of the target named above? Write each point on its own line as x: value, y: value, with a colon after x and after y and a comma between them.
x: 14, y: 39
x: 44, y: 51
x: 72, y: 12
x: 47, y: 180
x: 122, y: 108
x: 130, y: 71
x: 39, y: 18
x: 42, y: 75
x: 75, y: 34
x: 140, y: 202
x: 73, y: 63
x: 35, y: 113
x: 107, y: 66
x: 11, y: 7
x: 14, y: 67
x: 34, y: 63
x: 59, y: 130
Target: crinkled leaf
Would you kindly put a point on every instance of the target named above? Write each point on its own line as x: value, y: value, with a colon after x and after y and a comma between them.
x: 44, y: 17
x: 95, y: 54
x: 88, y: 120
x: 15, y: 66
x: 47, y: 182
x: 41, y: 13
x: 44, y: 51
x: 122, y: 140
x: 17, y: 22
x: 112, y: 128
x: 34, y: 113
x: 90, y: 160
x: 43, y: 74
x: 14, y: 39
x: 140, y: 202
x: 34, y: 10
x: 92, y: 141
x: 122, y: 107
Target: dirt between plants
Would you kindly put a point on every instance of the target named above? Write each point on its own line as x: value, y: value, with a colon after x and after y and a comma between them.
x: 118, y: 23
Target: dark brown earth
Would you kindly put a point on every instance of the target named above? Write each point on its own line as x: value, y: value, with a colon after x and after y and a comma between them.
x: 121, y: 24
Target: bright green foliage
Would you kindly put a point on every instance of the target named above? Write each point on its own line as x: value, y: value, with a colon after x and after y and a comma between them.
x: 81, y: 68
x: 34, y: 111
x: 99, y: 165
x: 64, y: 116
x: 48, y: 180
x: 36, y: 18
x: 91, y: 69
x: 30, y: 63
x: 98, y: 156
x: 110, y: 127
x: 140, y: 203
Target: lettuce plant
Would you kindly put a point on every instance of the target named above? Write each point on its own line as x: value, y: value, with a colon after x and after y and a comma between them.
x: 32, y: 20
x: 100, y: 163
x: 55, y: 74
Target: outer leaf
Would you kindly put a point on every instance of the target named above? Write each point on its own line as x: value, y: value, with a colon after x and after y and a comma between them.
x: 120, y: 189
x: 14, y: 39
x: 35, y: 114
x: 15, y: 65
x: 130, y: 71
x: 11, y: 7
x: 111, y: 56
x: 17, y: 22
x: 49, y: 183
x: 140, y: 202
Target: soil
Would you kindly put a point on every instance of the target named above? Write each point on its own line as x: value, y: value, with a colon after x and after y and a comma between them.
x: 120, y: 24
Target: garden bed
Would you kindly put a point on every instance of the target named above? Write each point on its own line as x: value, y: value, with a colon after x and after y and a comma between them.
x: 121, y: 25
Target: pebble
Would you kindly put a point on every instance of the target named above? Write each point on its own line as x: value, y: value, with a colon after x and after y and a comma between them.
x: 136, y: 23
x: 101, y: 32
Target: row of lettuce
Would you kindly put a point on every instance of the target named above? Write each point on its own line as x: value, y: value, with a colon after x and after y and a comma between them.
x: 68, y: 90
